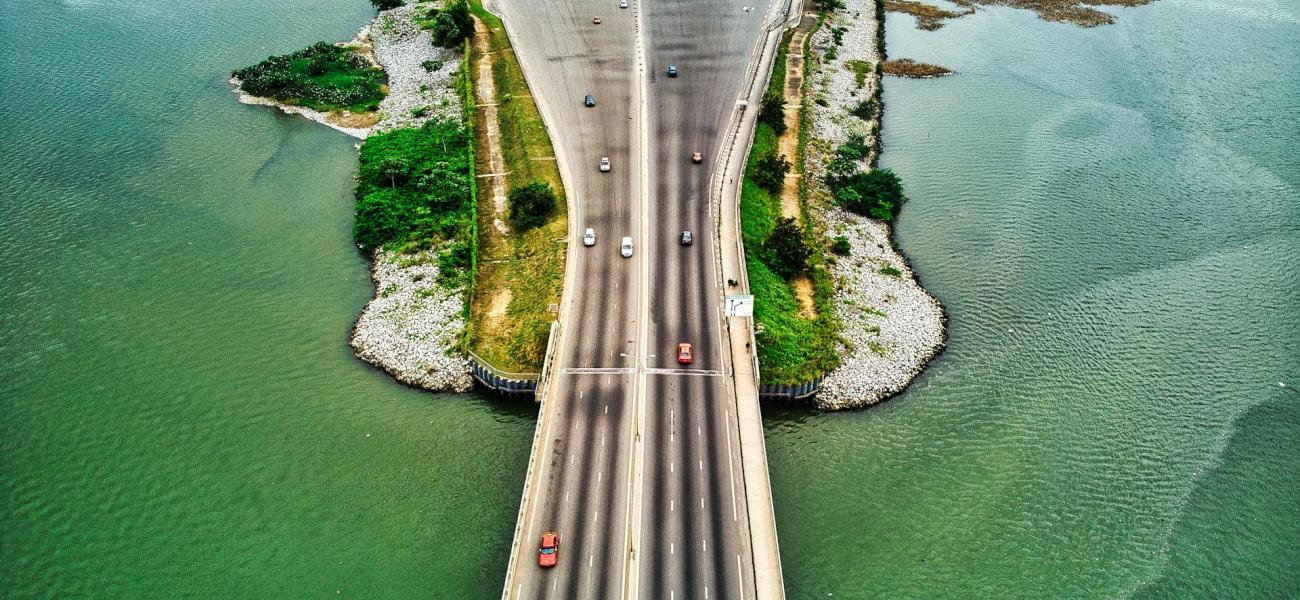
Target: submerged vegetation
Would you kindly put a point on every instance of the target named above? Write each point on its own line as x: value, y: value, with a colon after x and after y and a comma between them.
x: 906, y: 67
x: 1077, y: 12
x: 322, y: 77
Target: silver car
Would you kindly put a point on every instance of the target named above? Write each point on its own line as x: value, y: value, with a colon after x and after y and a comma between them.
x: 589, y: 237
x: 604, y: 164
x: 626, y: 249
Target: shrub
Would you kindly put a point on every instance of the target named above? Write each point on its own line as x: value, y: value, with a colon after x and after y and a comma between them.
x: 419, y: 111
x: 431, y: 65
x: 877, y: 194
x: 772, y: 111
x: 841, y: 246
x: 891, y: 271
x: 531, y: 204
x: 865, y: 110
x: 451, y: 25
x: 770, y: 170
x: 386, y: 4
x: 787, y: 251
x: 453, y: 263
x: 413, y: 185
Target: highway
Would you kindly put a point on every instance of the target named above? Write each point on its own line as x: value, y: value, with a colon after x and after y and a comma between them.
x: 666, y: 517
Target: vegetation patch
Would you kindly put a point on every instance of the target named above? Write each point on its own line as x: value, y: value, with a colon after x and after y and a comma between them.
x: 322, y: 77
x: 861, y: 69
x: 906, y: 67
x: 1075, y: 12
x: 928, y: 16
x: 794, y: 344
x: 528, y: 260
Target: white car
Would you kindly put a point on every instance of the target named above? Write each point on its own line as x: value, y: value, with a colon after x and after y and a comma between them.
x: 589, y: 237
x: 622, y: 3
x: 626, y: 249
x: 604, y: 164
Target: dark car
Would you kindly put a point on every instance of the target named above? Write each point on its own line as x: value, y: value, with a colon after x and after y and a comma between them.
x: 589, y: 100
x: 672, y: 70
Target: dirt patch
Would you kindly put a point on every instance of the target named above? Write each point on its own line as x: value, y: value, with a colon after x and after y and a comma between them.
x: 803, y: 292
x: 500, y: 301
x: 353, y: 120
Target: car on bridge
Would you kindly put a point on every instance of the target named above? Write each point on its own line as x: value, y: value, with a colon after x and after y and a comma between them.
x: 548, y: 552
x: 684, y: 353
x: 589, y: 100
x: 595, y: 20
x: 672, y: 70
x: 626, y: 247
x: 589, y: 237
x: 697, y: 157
x: 604, y: 164
x: 687, y: 238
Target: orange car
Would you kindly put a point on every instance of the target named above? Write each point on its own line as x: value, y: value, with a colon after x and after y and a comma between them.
x: 684, y: 353
x: 697, y: 157
x: 549, y: 550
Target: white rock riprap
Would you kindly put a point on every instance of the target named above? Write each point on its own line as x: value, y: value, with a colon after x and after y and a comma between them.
x: 410, y: 328
x: 892, y: 326
x: 395, y: 42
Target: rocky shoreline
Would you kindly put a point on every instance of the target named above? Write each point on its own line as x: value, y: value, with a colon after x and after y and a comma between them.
x: 891, y: 325
x: 411, y: 327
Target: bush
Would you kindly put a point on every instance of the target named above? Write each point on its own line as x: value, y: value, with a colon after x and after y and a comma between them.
x: 772, y: 112
x: 531, y: 204
x: 386, y: 4
x: 451, y: 25
x: 841, y: 246
x: 877, y: 194
x: 891, y: 271
x: 787, y: 251
x: 419, y: 111
x: 413, y: 185
x: 865, y: 110
x: 431, y: 65
x: 770, y: 170
x: 453, y: 263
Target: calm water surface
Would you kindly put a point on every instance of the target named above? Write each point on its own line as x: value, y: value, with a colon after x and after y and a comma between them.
x: 1109, y: 215
x: 1112, y: 219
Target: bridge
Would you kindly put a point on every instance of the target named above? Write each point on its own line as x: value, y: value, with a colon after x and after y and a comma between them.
x: 653, y: 473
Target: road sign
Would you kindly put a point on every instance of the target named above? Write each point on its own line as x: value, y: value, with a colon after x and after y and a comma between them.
x: 740, y: 305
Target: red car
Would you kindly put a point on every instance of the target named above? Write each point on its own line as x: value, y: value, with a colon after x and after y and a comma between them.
x: 684, y: 353
x: 549, y: 550
x: 697, y: 157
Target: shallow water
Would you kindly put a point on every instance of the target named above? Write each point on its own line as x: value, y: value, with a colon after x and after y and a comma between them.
x: 1110, y: 217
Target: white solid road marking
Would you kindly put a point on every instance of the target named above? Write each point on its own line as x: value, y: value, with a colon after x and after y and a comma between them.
x: 701, y: 465
x: 672, y: 548
x: 566, y: 497
x: 740, y: 578
x: 595, y: 515
x: 706, y: 545
x: 599, y: 476
x: 672, y: 467
x: 699, y: 431
x: 672, y: 505
x: 701, y: 502
x: 555, y: 582
x: 606, y: 409
x: 731, y: 471
x: 592, y: 560
x: 696, y: 372
x: 706, y: 592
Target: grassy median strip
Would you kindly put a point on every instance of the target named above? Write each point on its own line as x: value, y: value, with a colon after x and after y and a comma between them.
x: 521, y: 269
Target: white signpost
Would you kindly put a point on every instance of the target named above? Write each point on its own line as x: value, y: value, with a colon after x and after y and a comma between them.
x: 740, y: 305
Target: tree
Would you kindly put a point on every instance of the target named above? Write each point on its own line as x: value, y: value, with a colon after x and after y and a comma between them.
x: 531, y: 204
x: 452, y: 24
x: 386, y: 4
x: 787, y: 252
x: 395, y: 168
x: 772, y: 111
x: 380, y: 218
x: 769, y: 171
x: 444, y: 187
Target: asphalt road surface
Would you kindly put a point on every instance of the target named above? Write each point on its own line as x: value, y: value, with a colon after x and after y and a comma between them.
x: 679, y: 530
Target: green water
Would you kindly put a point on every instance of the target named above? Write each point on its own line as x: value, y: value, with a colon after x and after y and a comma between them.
x: 1110, y: 217
x: 180, y: 415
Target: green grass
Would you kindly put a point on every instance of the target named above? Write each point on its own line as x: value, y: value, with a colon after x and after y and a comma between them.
x: 861, y: 69
x: 529, y: 265
x: 321, y: 77
x: 791, y: 347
